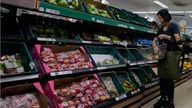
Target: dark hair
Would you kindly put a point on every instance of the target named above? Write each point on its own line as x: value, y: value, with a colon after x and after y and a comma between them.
x: 165, y: 14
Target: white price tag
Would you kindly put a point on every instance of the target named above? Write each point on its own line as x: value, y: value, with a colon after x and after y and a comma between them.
x: 65, y: 72
x: 32, y: 65
x: 52, y: 11
x: 132, y: 93
x: 150, y: 31
x: 133, y: 64
x: 138, y: 90
x: 46, y: 39
x: 100, y: 21
x: 131, y: 27
x: 108, y: 43
x: 100, y: 68
x: 86, y: 41
x: 120, y: 97
x: 122, y: 25
x: 41, y: 9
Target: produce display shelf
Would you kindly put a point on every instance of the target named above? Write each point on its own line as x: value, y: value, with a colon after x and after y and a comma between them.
x: 56, y: 75
x: 143, y: 63
x: 115, y: 100
x: 68, y: 41
x: 57, y: 10
x: 10, y: 80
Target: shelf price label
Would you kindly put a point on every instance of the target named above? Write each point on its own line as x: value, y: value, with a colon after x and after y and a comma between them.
x: 131, y: 27
x: 65, y: 72
x: 122, y: 25
x: 150, y: 31
x: 133, y: 64
x: 46, y: 39
x: 87, y: 42
x: 41, y: 9
x: 100, y: 68
x: 107, y: 43
x: 52, y: 11
x: 100, y: 21
x: 121, y: 97
x: 61, y: 73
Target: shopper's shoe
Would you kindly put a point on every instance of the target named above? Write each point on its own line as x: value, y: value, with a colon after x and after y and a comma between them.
x: 161, y: 103
x: 169, y: 104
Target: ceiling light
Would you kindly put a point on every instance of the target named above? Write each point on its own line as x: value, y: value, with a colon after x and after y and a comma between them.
x: 160, y: 3
x: 188, y: 11
x: 190, y: 16
x: 143, y: 12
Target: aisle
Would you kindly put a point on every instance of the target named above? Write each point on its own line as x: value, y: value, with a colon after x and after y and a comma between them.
x: 183, y: 96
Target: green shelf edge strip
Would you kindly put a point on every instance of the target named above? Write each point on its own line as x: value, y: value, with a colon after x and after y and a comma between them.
x: 67, y: 12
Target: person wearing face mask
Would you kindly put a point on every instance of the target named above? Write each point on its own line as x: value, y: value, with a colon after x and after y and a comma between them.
x: 168, y: 67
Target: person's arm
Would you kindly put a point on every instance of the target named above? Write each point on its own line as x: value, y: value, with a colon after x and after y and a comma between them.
x: 154, y: 45
x: 176, y: 37
x: 167, y: 37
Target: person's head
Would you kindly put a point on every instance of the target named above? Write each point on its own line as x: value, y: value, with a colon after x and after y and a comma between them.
x: 164, y: 16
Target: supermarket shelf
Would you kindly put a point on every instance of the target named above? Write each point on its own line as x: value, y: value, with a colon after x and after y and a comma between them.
x: 142, y: 63
x: 117, y: 99
x: 56, y: 75
x: 68, y: 41
x: 9, y: 80
x: 152, y: 84
x: 186, y: 71
x: 62, y: 11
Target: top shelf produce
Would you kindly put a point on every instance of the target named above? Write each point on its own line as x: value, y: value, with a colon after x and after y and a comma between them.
x: 72, y: 13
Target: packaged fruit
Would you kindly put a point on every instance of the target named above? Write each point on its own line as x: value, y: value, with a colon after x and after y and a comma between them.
x: 20, y: 101
x: 103, y: 38
x: 85, y: 93
x: 113, y: 61
x: 96, y: 8
x: 59, y: 58
x: 10, y: 64
x: 110, y: 85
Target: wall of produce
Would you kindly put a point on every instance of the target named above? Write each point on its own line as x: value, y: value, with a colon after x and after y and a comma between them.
x: 52, y: 47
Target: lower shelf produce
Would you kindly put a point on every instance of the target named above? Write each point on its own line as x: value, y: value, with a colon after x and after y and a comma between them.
x: 141, y: 76
x: 126, y: 82
x: 112, y: 83
x: 78, y: 92
x: 22, y: 96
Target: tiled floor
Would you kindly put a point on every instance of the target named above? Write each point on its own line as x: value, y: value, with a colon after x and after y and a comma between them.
x: 183, y: 96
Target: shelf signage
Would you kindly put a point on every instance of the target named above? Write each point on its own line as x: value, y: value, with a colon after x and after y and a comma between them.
x: 121, y: 97
x: 52, y: 11
x: 46, y: 39
x: 122, y: 25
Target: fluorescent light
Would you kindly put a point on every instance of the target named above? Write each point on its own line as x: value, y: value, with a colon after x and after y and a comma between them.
x: 143, y: 12
x: 160, y: 4
x: 154, y: 12
x: 176, y: 12
x: 188, y: 11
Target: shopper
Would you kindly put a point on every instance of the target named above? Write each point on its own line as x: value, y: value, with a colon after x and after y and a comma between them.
x: 168, y: 67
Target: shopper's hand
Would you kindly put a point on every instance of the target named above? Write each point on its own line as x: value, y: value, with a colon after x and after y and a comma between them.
x: 156, y: 50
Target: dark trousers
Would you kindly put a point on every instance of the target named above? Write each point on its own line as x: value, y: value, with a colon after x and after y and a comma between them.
x: 167, y: 88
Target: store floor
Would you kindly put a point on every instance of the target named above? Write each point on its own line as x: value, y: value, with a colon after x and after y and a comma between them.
x: 183, y: 96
